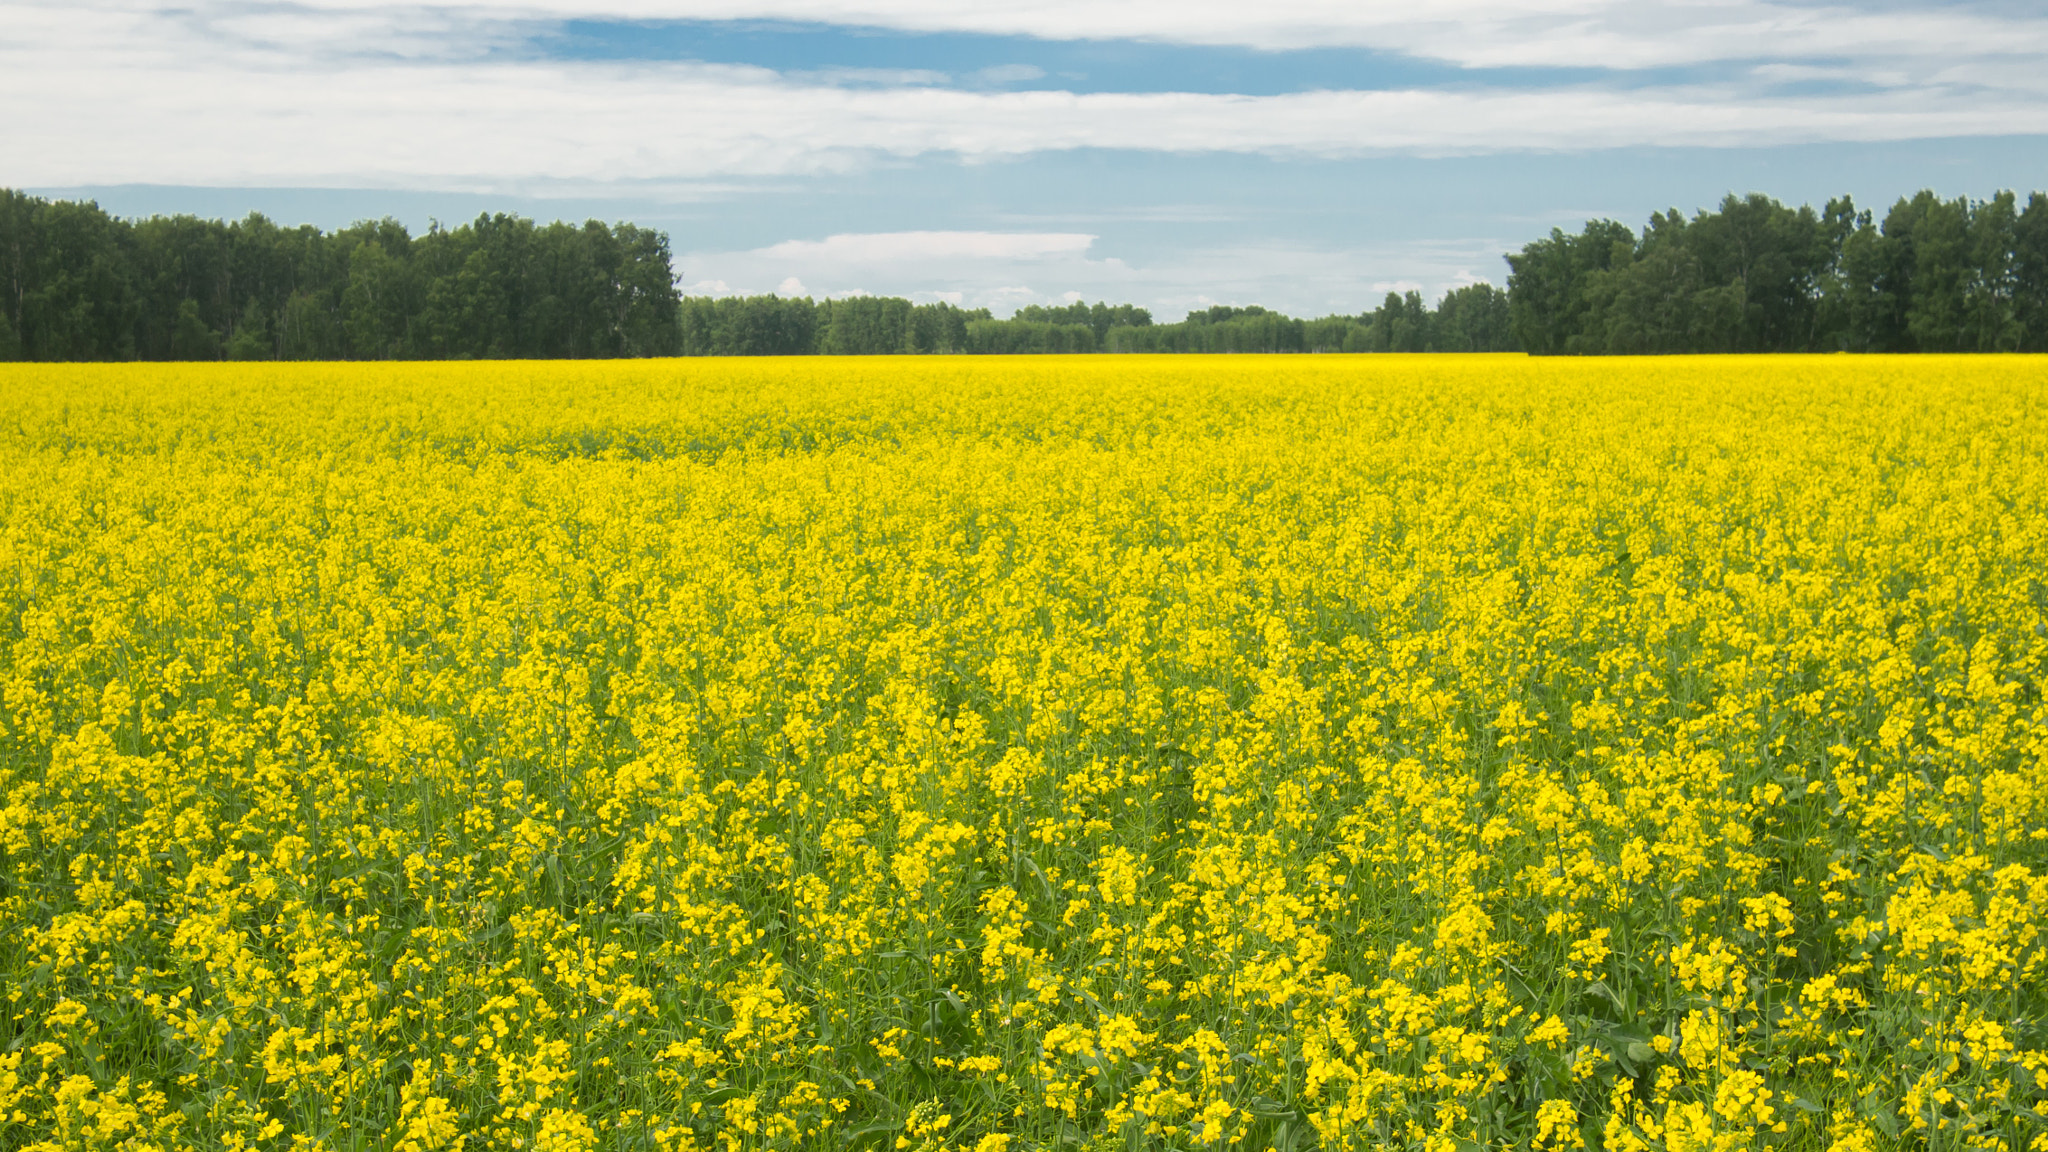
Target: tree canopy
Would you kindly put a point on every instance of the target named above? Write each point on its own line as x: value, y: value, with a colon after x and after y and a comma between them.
x: 1934, y: 275
x: 1469, y: 319
x: 1752, y: 275
x: 82, y: 285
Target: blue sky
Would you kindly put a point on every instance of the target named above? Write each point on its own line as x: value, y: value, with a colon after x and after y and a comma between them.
x: 1307, y: 156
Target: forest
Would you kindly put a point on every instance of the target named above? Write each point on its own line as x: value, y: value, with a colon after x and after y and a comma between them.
x: 80, y: 284
x: 1469, y: 319
x: 1933, y: 275
x: 1753, y: 275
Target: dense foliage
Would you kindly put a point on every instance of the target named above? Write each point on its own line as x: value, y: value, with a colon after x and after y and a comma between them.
x: 78, y: 284
x: 1469, y: 319
x: 1935, y: 276
x: 800, y: 326
x: 1753, y: 276
x: 1070, y: 754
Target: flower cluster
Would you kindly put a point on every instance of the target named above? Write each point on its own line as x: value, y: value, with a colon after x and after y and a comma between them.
x: 1203, y: 753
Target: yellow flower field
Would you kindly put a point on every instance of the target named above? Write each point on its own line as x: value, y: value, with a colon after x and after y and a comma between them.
x: 1001, y: 755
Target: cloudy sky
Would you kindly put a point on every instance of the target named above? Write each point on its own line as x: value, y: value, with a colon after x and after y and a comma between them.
x: 1304, y: 154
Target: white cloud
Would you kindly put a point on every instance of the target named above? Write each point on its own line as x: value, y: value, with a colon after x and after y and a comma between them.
x: 1299, y: 279
x: 883, y: 77
x: 1597, y: 33
x: 446, y: 96
x: 526, y: 127
x: 361, y: 93
x: 958, y: 267
x: 869, y: 248
x: 1784, y: 73
x: 1009, y: 74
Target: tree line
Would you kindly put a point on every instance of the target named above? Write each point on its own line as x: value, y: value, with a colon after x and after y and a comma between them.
x: 1752, y: 275
x: 79, y: 284
x: 1934, y: 275
x: 1470, y: 319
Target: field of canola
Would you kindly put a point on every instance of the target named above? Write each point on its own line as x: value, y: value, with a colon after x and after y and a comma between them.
x: 1089, y: 754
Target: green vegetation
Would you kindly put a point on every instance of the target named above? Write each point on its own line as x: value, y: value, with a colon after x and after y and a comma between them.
x: 935, y: 754
x: 82, y: 285
x: 1470, y: 319
x: 861, y: 325
x: 1935, y: 276
x: 1753, y: 276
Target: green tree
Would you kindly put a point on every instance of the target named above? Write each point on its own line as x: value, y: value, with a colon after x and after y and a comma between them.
x: 1011, y: 337
x: 191, y: 339
x: 1546, y: 283
x: 1099, y: 317
x: 176, y: 260
x: 2030, y: 274
x: 309, y: 328
x: 639, y: 300
x: 865, y: 326
x: 1775, y: 257
x: 748, y: 326
x: 1873, y: 308
x: 251, y: 339
x: 1327, y: 333
x: 1402, y: 323
x: 1841, y: 300
x: 1934, y: 236
x: 378, y: 306
x: 72, y: 279
x: 1651, y: 304
x: 1475, y: 318
x: 1990, y: 319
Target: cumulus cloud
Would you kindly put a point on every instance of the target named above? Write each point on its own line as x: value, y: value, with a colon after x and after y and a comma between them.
x: 1018, y: 269
x: 957, y: 267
